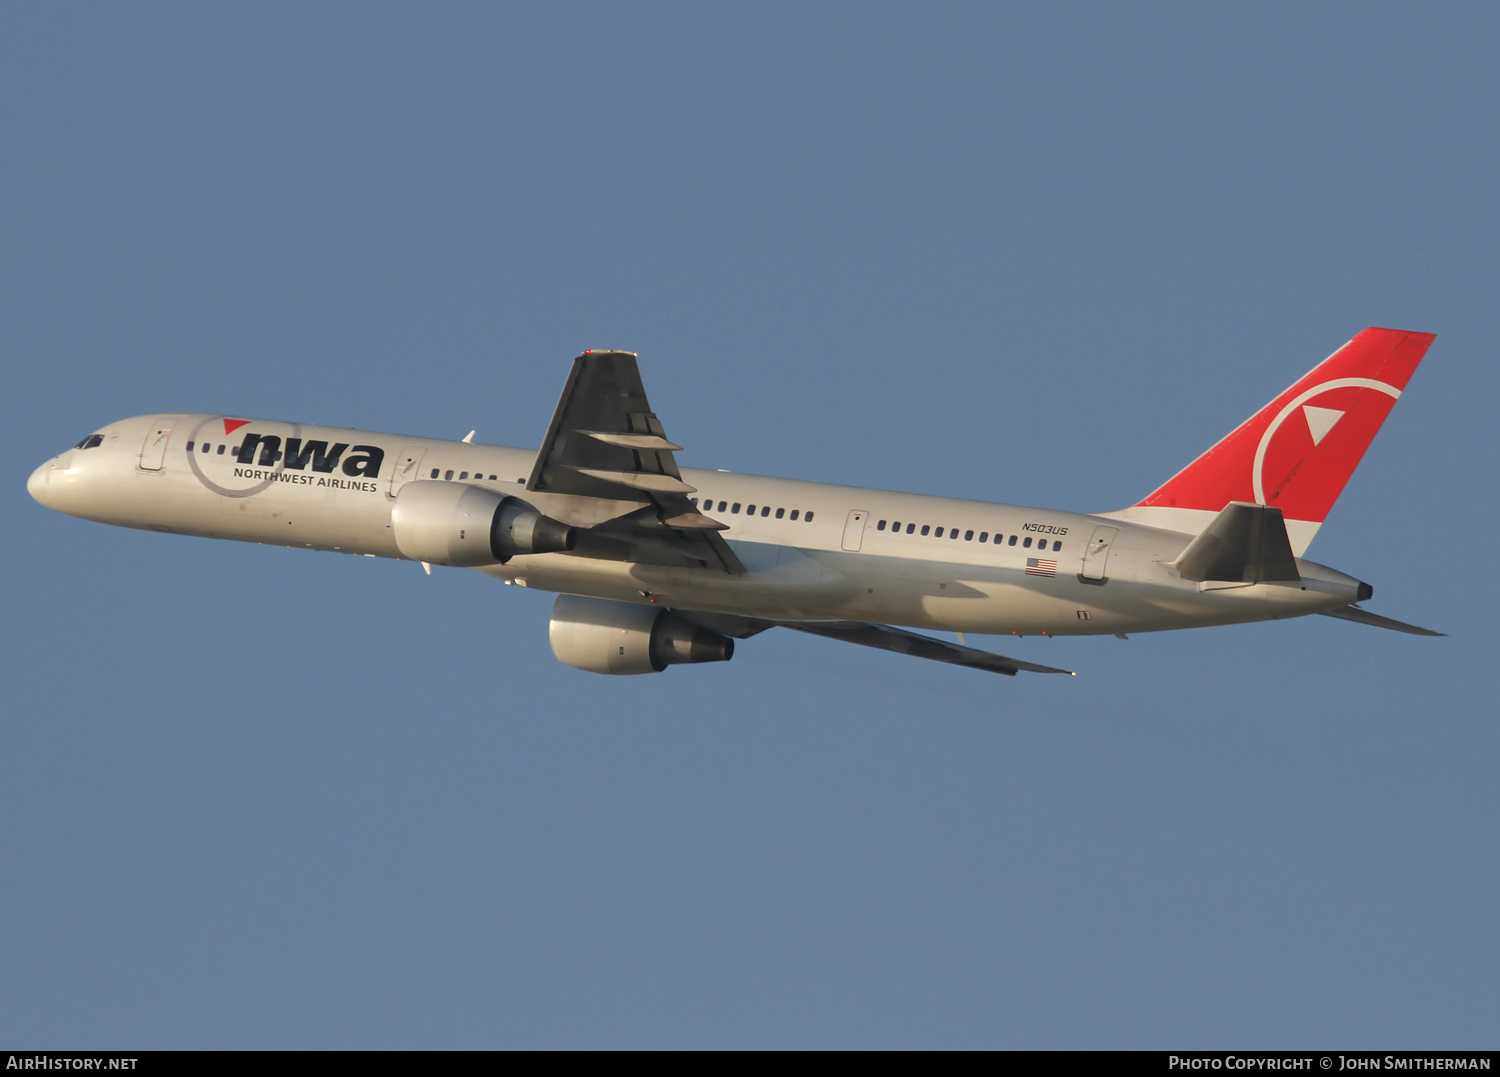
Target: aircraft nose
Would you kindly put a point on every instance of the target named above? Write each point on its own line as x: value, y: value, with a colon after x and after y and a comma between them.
x: 36, y: 486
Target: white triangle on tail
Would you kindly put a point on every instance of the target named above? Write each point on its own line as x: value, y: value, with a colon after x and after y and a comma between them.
x: 1320, y: 421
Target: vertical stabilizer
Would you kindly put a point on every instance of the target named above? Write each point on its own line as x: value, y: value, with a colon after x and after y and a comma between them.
x: 1297, y: 452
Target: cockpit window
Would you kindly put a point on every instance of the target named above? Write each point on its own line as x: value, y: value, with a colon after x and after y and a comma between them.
x: 93, y: 441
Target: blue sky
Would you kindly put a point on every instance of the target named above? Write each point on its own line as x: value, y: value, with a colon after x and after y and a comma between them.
x: 1037, y: 254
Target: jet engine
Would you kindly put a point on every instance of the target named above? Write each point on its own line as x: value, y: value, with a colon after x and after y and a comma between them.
x: 601, y: 636
x: 453, y: 523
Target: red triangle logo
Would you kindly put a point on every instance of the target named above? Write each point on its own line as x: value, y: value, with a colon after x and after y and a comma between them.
x: 231, y: 425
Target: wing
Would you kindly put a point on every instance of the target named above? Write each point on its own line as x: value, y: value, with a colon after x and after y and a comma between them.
x: 900, y: 640
x: 1365, y: 617
x: 606, y: 445
x: 883, y: 637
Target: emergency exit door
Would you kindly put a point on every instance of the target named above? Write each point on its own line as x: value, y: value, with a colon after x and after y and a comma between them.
x: 408, y: 467
x: 854, y: 529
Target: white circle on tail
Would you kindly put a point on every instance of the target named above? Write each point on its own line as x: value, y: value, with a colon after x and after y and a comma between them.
x: 1257, y: 483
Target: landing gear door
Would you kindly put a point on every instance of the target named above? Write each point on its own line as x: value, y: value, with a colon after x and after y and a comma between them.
x: 154, y: 448
x: 408, y: 467
x: 854, y: 529
x: 1096, y: 557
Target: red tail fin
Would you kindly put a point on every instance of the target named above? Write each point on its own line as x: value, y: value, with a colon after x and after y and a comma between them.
x: 1298, y: 451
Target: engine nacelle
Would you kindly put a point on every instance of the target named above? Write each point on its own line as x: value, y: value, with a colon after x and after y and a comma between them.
x: 601, y: 636
x: 453, y: 523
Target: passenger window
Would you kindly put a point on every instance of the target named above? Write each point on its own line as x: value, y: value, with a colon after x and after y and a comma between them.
x: 910, y: 528
x: 1026, y: 543
x: 984, y: 536
x: 880, y: 526
x: 925, y: 529
x: 448, y: 474
x: 1011, y: 541
x: 765, y: 510
x: 953, y: 533
x: 434, y: 473
x: 206, y: 446
x: 220, y: 451
x: 492, y: 478
x: 723, y: 505
x: 735, y: 507
x: 749, y: 510
x: 780, y: 513
x: 793, y: 515
x: 807, y: 519
x: 464, y: 475
x: 84, y: 444
x: 1056, y: 546
x: 938, y: 531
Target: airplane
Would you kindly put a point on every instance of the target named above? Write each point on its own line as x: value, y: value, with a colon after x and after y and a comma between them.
x: 656, y: 565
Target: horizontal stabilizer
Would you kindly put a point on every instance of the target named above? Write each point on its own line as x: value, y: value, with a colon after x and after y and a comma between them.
x: 901, y: 641
x: 1365, y: 617
x: 1244, y: 544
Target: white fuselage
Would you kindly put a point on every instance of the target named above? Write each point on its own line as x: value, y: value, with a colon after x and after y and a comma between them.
x: 840, y: 558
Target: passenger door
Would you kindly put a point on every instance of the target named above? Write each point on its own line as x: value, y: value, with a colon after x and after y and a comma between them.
x: 154, y: 448
x: 1096, y: 557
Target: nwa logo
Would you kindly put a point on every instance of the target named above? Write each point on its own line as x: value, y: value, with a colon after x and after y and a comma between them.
x: 365, y: 460
x: 262, y: 460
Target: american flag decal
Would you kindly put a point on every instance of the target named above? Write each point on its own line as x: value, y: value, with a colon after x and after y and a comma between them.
x: 1042, y: 566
